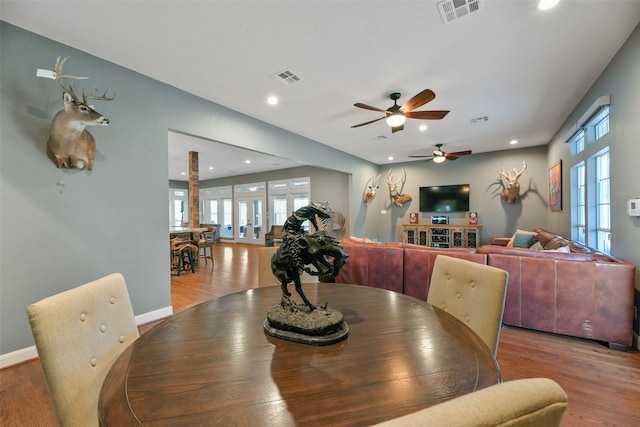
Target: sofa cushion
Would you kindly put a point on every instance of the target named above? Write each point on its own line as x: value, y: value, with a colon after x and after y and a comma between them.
x: 549, y: 240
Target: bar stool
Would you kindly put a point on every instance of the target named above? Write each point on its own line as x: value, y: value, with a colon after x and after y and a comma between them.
x: 182, y: 255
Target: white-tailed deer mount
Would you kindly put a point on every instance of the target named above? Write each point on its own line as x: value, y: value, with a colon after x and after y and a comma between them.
x: 511, y: 192
x: 70, y: 145
x: 397, y: 197
x: 371, y: 189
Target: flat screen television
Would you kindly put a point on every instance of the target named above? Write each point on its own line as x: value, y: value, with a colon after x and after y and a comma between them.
x: 444, y: 198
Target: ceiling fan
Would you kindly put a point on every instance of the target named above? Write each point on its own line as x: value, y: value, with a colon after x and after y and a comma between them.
x: 440, y: 156
x: 396, y: 114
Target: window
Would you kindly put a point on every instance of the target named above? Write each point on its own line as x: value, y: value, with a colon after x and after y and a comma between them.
x: 578, y: 203
x: 592, y: 126
x: 178, y: 207
x: 591, y: 177
x: 603, y: 202
x: 287, y: 196
x: 215, y: 205
x: 600, y: 124
x: 577, y: 143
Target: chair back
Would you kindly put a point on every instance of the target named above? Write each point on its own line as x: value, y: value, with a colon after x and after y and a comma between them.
x: 79, y: 334
x: 539, y: 402
x: 474, y: 293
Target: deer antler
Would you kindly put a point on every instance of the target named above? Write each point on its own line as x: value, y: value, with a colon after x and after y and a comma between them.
x: 519, y: 174
x: 57, y: 70
x: 92, y: 95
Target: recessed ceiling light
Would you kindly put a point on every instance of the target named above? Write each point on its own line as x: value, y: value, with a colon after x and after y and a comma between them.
x: 247, y: 161
x: 211, y: 168
x: 390, y: 158
x: 183, y: 173
x: 272, y: 100
x: 547, y: 4
x: 422, y: 127
x: 513, y: 142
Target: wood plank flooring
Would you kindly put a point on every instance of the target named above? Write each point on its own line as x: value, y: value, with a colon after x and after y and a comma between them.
x: 603, y: 385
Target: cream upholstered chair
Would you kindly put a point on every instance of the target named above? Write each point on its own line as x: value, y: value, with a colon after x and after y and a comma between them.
x: 79, y: 334
x: 474, y: 293
x: 265, y: 274
x: 532, y: 402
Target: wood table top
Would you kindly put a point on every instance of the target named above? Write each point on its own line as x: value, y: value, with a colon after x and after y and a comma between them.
x: 214, y: 365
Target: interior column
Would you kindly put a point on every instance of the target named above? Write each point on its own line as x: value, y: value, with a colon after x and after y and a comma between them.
x: 194, y: 190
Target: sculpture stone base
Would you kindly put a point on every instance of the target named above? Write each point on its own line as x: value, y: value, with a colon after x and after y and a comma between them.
x: 296, y: 322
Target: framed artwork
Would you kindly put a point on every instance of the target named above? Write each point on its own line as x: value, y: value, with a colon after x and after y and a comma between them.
x: 555, y: 186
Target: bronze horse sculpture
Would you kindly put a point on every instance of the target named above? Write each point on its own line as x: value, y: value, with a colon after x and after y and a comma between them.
x: 318, y: 254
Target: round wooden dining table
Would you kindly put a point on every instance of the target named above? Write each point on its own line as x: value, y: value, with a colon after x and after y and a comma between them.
x: 213, y: 364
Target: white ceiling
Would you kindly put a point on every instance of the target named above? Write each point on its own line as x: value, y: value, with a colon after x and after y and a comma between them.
x: 522, y: 68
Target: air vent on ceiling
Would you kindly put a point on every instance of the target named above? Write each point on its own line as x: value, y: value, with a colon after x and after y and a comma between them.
x: 479, y: 119
x: 450, y: 10
x: 379, y: 137
x: 286, y: 77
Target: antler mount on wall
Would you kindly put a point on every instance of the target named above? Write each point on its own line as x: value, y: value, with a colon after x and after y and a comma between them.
x: 70, y: 145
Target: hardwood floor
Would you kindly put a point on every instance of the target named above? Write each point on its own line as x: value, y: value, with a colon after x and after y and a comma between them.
x: 603, y: 385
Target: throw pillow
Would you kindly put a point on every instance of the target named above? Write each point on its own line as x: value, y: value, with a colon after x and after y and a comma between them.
x: 513, y: 238
x: 537, y: 246
x: 522, y: 240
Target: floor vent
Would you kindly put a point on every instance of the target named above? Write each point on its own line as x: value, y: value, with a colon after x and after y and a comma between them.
x: 450, y: 10
x: 286, y: 77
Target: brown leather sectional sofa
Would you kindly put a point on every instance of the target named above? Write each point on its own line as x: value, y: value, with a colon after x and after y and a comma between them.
x: 585, y: 294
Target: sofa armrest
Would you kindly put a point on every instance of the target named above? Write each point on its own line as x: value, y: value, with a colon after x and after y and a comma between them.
x: 500, y: 241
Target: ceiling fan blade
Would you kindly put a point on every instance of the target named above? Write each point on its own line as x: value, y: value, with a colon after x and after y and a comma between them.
x: 418, y: 100
x: 458, y: 154
x: 395, y: 129
x: 369, y: 107
x: 422, y: 157
x: 369, y: 122
x: 427, y: 115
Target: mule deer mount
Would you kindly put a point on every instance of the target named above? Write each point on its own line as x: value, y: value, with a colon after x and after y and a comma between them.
x: 397, y: 197
x: 70, y: 145
x: 371, y: 189
x: 511, y: 192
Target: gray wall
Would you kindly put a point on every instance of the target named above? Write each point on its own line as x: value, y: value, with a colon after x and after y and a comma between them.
x: 480, y: 171
x: 621, y: 80
x: 62, y: 228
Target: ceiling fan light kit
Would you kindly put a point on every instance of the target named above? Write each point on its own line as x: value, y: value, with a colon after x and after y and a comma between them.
x: 439, y: 159
x: 395, y: 120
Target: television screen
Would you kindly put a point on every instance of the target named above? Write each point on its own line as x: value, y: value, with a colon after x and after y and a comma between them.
x: 444, y: 198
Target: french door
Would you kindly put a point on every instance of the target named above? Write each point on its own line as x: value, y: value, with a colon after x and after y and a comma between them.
x: 250, y: 211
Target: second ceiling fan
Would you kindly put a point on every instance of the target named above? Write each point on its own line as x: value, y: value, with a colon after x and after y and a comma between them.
x: 396, y: 114
x: 440, y: 156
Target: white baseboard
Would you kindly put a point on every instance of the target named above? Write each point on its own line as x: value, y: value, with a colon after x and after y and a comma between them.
x: 28, y: 353
x: 160, y: 313
x: 18, y: 356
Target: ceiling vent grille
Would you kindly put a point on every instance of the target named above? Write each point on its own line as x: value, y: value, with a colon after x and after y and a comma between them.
x: 479, y: 119
x: 286, y: 77
x: 450, y: 10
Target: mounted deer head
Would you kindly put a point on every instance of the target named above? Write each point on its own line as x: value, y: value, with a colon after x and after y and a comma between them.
x: 70, y: 145
x: 397, y: 197
x: 511, y: 193
x: 371, y: 189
